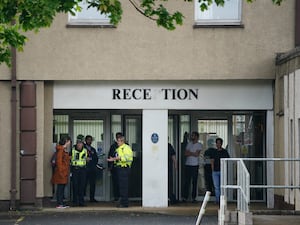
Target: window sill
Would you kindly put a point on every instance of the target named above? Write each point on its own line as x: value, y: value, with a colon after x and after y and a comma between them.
x: 196, y: 26
x: 90, y: 25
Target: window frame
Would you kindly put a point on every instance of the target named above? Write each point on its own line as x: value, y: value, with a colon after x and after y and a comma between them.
x: 217, y: 22
x: 95, y: 20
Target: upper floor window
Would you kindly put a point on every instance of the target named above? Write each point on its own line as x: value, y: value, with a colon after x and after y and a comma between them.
x: 88, y: 16
x: 229, y: 14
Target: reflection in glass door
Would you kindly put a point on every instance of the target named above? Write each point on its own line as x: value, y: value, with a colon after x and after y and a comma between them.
x: 248, y: 132
x: 184, y: 137
x: 95, y: 128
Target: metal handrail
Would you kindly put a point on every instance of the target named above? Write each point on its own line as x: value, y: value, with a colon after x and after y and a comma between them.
x: 243, y: 183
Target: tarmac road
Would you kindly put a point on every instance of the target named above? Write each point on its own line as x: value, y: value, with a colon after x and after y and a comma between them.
x: 108, y: 214
x: 64, y: 217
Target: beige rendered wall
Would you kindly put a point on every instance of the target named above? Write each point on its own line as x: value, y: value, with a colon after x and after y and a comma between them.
x: 44, y: 140
x: 5, y: 72
x: 5, y: 162
x: 48, y: 124
x: 5, y: 140
x: 40, y: 159
x: 138, y: 50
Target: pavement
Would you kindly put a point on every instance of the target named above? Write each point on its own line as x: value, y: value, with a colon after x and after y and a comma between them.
x: 261, y: 215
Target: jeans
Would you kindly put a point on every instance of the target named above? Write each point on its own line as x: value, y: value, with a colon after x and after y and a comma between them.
x: 60, y: 189
x: 91, y: 176
x: 216, y: 179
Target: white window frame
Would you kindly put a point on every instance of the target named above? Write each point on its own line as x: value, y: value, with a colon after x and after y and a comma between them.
x: 208, y: 18
x: 88, y: 16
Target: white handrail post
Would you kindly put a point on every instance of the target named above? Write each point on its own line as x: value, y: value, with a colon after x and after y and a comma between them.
x: 239, y: 185
x: 223, y: 191
x: 202, y: 210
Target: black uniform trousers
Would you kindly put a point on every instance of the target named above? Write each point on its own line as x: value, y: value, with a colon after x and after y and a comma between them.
x: 91, y: 180
x: 115, y: 182
x: 78, y: 180
x: 123, y: 178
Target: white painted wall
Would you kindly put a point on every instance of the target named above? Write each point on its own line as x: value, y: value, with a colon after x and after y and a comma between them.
x: 155, y: 159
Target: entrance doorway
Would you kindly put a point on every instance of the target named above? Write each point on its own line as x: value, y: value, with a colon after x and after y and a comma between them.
x: 131, y: 126
x: 95, y: 128
x: 243, y: 135
x: 75, y: 124
x: 102, y: 125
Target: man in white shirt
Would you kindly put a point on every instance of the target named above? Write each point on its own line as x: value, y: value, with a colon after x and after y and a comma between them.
x: 192, y: 153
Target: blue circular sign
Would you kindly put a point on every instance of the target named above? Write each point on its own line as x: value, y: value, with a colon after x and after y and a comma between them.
x: 154, y: 138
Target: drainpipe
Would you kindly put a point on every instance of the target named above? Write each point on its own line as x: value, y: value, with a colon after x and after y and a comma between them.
x: 13, y: 190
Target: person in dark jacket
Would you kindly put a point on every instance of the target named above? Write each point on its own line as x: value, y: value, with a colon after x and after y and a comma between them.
x: 216, y: 157
x: 172, y: 163
x: 91, y: 167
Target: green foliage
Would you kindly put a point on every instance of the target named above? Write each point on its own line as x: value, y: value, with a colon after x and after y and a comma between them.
x: 111, y: 7
x: 19, y: 16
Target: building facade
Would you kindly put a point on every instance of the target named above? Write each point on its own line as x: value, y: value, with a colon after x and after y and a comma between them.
x: 215, y: 74
x: 287, y: 114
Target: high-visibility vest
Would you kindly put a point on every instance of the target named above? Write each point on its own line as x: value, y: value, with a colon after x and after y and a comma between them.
x: 125, y: 153
x: 79, y: 157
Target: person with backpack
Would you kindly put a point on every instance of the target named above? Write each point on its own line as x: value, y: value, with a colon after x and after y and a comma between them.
x: 61, y: 170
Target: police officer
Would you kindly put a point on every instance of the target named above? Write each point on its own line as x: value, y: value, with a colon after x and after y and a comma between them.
x: 112, y: 167
x: 122, y: 160
x: 78, y: 163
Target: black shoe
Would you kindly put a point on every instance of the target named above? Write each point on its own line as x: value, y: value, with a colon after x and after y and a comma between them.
x: 81, y: 205
x: 93, y: 200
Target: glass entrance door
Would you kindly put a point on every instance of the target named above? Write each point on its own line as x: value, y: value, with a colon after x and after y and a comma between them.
x: 209, y: 130
x: 131, y: 126
x: 243, y: 136
x: 133, y: 135
x: 95, y: 128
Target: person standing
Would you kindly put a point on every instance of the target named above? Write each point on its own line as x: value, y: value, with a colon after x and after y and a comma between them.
x: 91, y: 167
x: 122, y: 160
x: 219, y: 153
x: 172, y: 163
x: 62, y: 169
x: 78, y: 162
x: 209, y: 184
x: 192, y: 153
x: 113, y: 169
